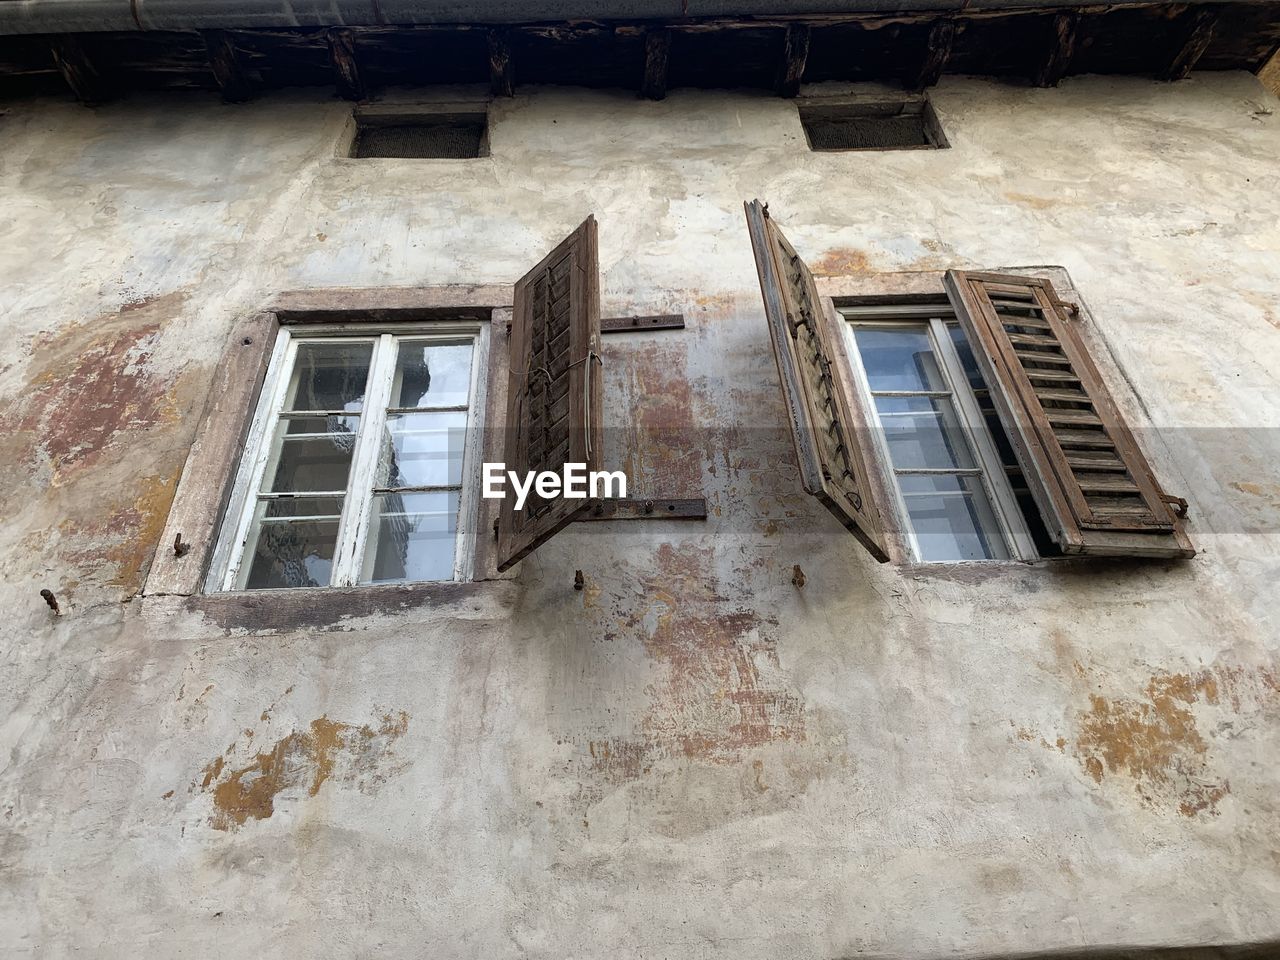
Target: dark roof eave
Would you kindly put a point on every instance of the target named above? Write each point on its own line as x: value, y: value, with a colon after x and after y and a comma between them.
x: 93, y: 16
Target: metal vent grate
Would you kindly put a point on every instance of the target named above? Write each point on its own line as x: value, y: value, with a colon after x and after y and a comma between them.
x: 451, y: 136
x: 906, y: 124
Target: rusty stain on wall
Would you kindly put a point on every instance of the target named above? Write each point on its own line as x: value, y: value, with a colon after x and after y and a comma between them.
x: 723, y: 693
x: 302, y: 760
x: 664, y: 452
x: 1155, y: 741
x: 125, y: 537
x: 841, y: 262
x: 96, y: 390
x: 94, y: 382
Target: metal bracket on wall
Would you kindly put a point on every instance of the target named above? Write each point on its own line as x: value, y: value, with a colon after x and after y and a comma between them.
x: 629, y: 508
x: 666, y: 321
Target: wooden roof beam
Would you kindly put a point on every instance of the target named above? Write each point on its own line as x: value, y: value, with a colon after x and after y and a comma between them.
x: 77, y: 69
x: 657, y: 52
x: 346, y: 71
x: 1062, y: 48
x: 795, y: 52
x: 1198, y: 26
x: 502, y: 79
x: 227, y: 69
x: 937, y: 51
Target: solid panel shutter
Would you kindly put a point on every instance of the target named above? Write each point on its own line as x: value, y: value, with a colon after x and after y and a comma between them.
x: 827, y: 436
x: 1095, y: 489
x: 554, y: 388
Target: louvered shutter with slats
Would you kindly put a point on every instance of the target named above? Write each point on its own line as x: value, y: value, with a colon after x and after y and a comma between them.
x: 554, y: 388
x: 1096, y: 492
x: 829, y: 437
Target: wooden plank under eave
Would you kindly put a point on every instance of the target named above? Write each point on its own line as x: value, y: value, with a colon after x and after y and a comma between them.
x: 77, y: 69
x: 346, y: 70
x: 657, y: 52
x: 795, y: 53
x: 1198, y: 26
x: 1062, y: 48
x: 227, y: 70
x: 501, y: 71
x: 937, y: 52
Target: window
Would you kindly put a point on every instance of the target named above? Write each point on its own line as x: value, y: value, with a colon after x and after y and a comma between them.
x: 356, y: 464
x: 858, y: 123
x: 421, y: 133
x: 970, y: 424
x: 957, y: 483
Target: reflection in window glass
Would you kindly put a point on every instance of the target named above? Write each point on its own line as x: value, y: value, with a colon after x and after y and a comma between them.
x: 951, y: 517
x: 293, y: 553
x: 431, y: 375
x: 304, y: 463
x: 330, y: 376
x: 939, y: 477
x: 422, y: 450
x: 338, y: 469
x: 412, y: 537
x: 899, y: 358
x: 923, y: 432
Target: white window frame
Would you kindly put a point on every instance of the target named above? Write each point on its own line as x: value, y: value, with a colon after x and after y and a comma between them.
x: 934, y: 317
x: 230, y: 566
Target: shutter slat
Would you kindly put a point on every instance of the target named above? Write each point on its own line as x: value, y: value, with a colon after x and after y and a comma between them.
x: 554, y: 396
x: 1055, y: 358
x: 808, y: 349
x: 1052, y: 376
x: 1069, y: 396
x: 1095, y: 483
x: 1080, y: 462
x: 1069, y: 439
x: 1031, y: 339
x: 1058, y: 415
x: 1091, y: 502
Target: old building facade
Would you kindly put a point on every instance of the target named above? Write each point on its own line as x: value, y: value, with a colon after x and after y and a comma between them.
x: 737, y: 734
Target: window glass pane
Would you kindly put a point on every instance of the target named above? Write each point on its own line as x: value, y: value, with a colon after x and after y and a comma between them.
x: 432, y: 374
x: 309, y: 463
x: 952, y: 518
x: 898, y: 358
x: 422, y: 450
x: 923, y: 432
x: 1017, y: 479
x: 335, y: 423
x: 412, y: 537
x: 285, y: 508
x: 292, y: 553
x: 329, y: 376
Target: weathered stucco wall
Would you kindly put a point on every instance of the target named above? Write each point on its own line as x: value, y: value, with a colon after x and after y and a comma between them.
x: 691, y: 757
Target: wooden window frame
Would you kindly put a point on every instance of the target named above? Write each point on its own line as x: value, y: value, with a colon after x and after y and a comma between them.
x: 1011, y: 525
x: 907, y: 286
x: 181, y: 566
x: 229, y: 567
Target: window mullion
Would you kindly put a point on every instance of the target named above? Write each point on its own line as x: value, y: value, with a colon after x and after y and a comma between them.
x: 1003, y: 502
x: 364, y: 464
x: 229, y: 558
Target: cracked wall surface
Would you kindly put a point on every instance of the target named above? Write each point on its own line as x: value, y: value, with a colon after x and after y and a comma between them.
x: 690, y: 757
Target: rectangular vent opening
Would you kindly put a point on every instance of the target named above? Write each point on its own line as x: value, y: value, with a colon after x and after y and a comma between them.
x: 425, y: 136
x: 901, y: 123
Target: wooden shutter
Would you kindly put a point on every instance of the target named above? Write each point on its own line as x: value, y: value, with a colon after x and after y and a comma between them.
x: 1095, y: 489
x: 554, y: 395
x: 828, y: 437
